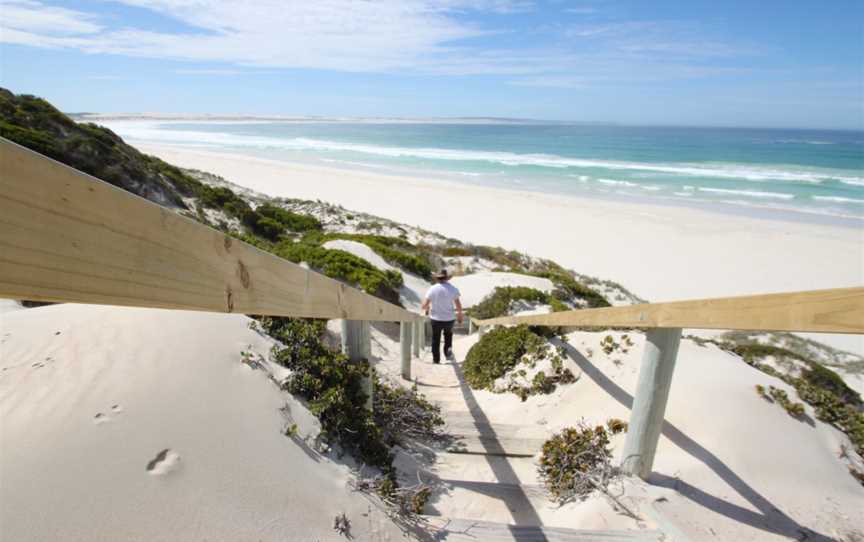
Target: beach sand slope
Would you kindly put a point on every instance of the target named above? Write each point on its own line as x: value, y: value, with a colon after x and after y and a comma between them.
x: 144, y: 424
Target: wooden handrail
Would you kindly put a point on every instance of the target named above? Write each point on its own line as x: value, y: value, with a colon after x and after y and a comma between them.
x: 68, y: 237
x: 838, y: 310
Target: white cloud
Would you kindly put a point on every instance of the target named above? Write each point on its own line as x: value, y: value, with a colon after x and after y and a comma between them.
x: 552, y: 81
x: 431, y: 37
x: 31, y: 16
x: 584, y: 10
x: 216, y: 71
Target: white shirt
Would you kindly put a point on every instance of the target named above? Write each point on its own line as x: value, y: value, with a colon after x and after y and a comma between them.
x: 442, y: 297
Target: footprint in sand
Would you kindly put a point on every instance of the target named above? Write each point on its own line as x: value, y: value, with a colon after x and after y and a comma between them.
x: 165, y: 461
x: 117, y: 409
x: 100, y: 418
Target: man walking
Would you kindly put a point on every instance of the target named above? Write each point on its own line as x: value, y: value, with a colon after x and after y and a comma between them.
x: 441, y: 299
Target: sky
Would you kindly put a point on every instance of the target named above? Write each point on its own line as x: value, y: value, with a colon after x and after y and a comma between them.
x: 772, y: 63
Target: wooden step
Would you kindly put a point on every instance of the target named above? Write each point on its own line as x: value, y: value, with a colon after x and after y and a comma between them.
x: 494, y: 445
x: 465, y: 530
x: 500, y: 430
x: 470, y: 467
x: 489, y: 501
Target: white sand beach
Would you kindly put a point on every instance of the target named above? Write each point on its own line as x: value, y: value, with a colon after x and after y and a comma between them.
x: 661, y: 253
x: 144, y: 424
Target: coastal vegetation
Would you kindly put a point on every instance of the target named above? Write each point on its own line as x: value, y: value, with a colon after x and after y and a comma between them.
x: 816, y: 385
x: 578, y: 460
x: 332, y: 387
x: 512, y: 352
x: 394, y: 250
x: 795, y: 409
x: 500, y: 301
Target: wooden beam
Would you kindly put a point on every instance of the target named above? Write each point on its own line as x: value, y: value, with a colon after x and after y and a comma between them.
x: 649, y: 404
x: 839, y: 310
x: 68, y: 237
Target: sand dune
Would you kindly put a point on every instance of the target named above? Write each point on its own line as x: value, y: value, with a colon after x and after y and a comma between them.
x: 143, y: 424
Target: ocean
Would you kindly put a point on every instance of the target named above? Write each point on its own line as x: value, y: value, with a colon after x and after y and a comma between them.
x: 796, y: 173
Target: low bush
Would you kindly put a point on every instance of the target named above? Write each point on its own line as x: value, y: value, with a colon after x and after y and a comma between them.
x: 568, y: 288
x: 404, y: 415
x: 344, y: 266
x: 332, y: 385
x: 815, y: 387
x: 395, y: 251
x: 333, y: 388
x: 616, y: 426
x: 795, y: 409
x: 499, y: 351
x: 823, y: 377
x: 40, y: 142
x: 498, y: 303
x: 577, y: 461
x: 290, y: 220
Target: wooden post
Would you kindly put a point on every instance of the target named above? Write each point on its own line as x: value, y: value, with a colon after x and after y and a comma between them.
x: 415, y: 336
x: 471, y: 327
x: 649, y: 404
x: 405, y: 343
x: 356, y: 345
x: 421, y: 335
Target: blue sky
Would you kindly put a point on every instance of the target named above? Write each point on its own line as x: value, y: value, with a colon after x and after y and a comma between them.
x: 731, y: 63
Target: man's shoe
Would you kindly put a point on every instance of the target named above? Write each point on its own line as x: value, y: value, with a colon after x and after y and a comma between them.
x: 436, y: 361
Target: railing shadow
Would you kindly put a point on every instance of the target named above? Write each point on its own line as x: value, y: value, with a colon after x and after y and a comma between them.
x: 521, y: 508
x: 771, y: 519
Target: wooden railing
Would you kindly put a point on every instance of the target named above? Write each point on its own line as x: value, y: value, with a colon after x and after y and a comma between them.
x: 839, y: 310
x: 823, y: 311
x: 68, y: 237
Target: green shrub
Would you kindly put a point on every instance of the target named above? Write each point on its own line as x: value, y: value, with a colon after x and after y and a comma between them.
x: 568, y: 288
x: 451, y: 252
x: 616, y: 426
x: 331, y: 384
x: 817, y: 388
x: 267, y: 228
x: 333, y: 388
x: 395, y: 251
x: 40, y: 142
x: 292, y: 221
x: 344, y: 266
x: 542, y: 384
x: 571, y: 461
x: 823, y: 377
x: 796, y: 410
x: 499, y: 351
x: 499, y: 301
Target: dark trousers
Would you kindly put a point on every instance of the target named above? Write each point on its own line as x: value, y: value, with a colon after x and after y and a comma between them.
x: 437, y: 328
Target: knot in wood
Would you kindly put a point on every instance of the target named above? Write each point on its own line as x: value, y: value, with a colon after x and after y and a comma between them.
x: 244, y: 274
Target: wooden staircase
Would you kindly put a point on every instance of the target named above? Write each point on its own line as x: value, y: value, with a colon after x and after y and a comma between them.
x: 484, y: 476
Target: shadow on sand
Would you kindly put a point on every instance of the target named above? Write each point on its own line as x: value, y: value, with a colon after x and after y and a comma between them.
x: 520, y: 506
x: 770, y: 518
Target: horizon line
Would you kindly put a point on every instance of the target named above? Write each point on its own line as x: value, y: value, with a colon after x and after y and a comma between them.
x: 478, y: 120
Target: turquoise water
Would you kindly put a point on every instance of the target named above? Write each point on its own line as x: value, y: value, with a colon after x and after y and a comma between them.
x: 759, y: 170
